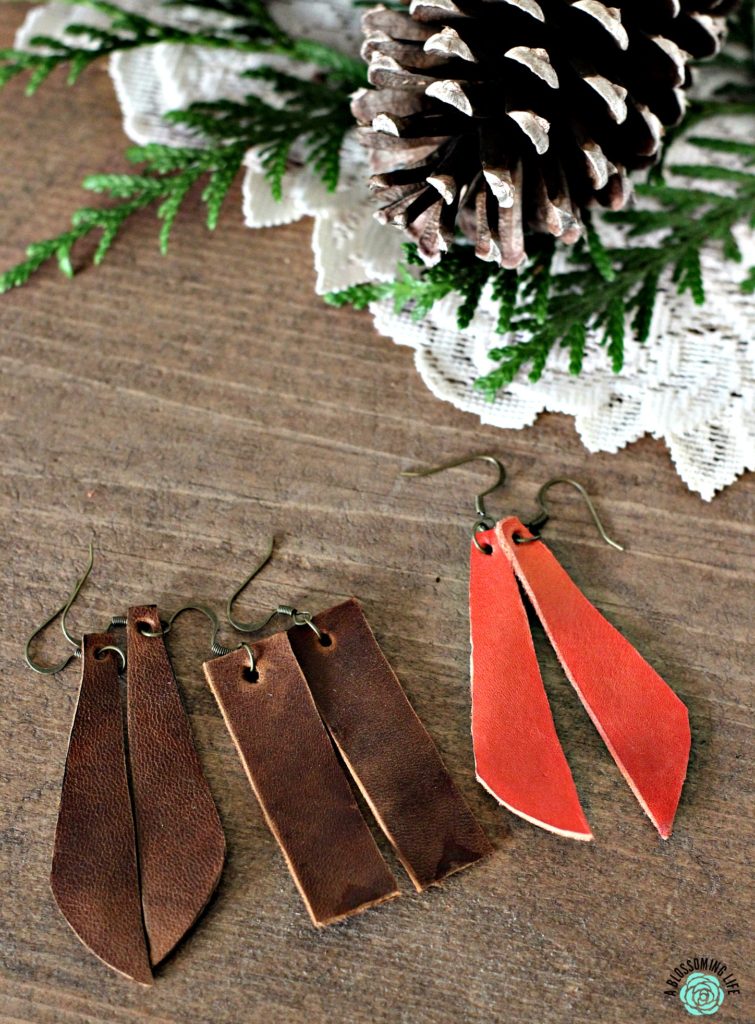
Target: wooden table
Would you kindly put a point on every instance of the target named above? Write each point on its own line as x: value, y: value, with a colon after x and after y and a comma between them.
x: 181, y: 410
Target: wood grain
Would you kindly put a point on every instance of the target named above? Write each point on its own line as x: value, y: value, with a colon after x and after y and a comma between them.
x: 179, y: 410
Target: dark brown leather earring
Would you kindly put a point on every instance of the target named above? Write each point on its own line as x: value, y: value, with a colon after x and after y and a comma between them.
x: 139, y: 847
x: 179, y: 835
x: 94, y: 876
x: 320, y: 687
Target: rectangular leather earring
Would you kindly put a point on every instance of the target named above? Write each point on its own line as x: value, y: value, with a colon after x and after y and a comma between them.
x: 386, y: 748
x: 327, y: 682
x: 517, y: 753
x: 296, y: 777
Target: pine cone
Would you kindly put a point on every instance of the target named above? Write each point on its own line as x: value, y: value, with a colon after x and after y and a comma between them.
x: 496, y: 114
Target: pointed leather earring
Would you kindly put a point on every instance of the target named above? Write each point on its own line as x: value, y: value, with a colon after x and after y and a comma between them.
x: 181, y: 842
x: 94, y: 875
x: 131, y: 884
x: 640, y: 719
x: 517, y: 753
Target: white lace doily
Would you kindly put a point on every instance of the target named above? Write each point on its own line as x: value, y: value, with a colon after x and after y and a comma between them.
x: 691, y: 384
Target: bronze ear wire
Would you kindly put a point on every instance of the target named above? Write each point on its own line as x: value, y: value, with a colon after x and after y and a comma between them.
x: 120, y: 620
x: 116, y: 620
x: 536, y: 525
x: 216, y: 647
x: 299, y: 618
x: 484, y: 521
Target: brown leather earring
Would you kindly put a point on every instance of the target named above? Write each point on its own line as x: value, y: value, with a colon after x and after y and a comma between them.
x: 131, y: 882
x: 179, y: 835
x: 290, y: 702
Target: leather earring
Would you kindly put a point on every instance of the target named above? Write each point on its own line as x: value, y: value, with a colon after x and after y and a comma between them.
x: 294, y: 699
x: 139, y: 848
x: 180, y: 838
x: 518, y: 756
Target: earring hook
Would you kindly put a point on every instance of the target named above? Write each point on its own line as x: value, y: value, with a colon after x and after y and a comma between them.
x: 63, y: 611
x: 540, y: 520
x: 299, y: 618
x: 165, y: 627
x: 74, y: 594
x: 215, y: 646
x: 48, y: 670
x: 484, y: 521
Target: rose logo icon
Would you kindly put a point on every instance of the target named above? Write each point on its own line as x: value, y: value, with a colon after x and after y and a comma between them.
x: 701, y: 994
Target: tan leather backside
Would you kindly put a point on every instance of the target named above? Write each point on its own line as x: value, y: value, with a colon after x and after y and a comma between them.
x: 386, y: 748
x: 94, y: 869
x: 295, y: 774
x: 181, y: 843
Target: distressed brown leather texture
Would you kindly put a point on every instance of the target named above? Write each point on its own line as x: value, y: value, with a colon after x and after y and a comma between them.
x: 387, y: 749
x: 303, y: 791
x: 180, y: 838
x: 94, y: 875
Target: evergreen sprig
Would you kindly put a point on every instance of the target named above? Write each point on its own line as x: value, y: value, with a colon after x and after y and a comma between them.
x: 314, y: 114
x: 250, y: 29
x: 167, y: 176
x: 609, y: 290
x: 311, y: 114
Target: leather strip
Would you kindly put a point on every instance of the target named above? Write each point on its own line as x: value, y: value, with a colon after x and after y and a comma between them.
x: 294, y: 772
x: 641, y: 720
x: 518, y: 756
x: 180, y: 838
x: 94, y: 874
x: 386, y: 748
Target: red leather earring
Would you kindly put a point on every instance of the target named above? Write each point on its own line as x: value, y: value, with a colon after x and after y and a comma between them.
x: 518, y: 756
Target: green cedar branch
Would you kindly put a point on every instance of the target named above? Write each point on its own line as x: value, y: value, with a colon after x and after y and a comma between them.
x: 313, y: 114
x: 588, y: 298
x: 608, y: 290
x: 168, y: 176
x: 252, y: 30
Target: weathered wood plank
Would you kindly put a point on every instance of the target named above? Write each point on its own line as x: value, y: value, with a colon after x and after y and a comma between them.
x: 170, y: 409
